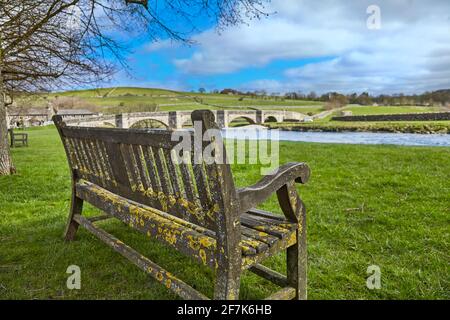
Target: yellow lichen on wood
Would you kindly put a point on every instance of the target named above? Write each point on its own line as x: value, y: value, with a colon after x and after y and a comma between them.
x: 263, y: 234
x: 171, y: 236
x: 192, y: 209
x: 193, y: 243
x: 251, y: 243
x: 207, y: 242
x: 292, y: 239
x: 213, y: 211
x: 202, y: 254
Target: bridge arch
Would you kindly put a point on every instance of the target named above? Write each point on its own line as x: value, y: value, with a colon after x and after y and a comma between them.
x: 148, y: 123
x: 233, y: 118
x: 271, y: 119
x: 186, y: 123
x: 108, y: 125
x: 180, y: 119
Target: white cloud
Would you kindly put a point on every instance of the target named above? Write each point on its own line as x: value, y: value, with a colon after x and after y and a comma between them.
x: 410, y: 53
x: 389, y: 63
x: 260, y: 43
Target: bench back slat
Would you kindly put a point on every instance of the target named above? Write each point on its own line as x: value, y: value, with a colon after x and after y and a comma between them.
x: 151, y: 170
x: 138, y: 165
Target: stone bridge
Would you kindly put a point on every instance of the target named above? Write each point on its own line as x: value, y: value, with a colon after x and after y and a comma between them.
x: 177, y: 119
x: 39, y: 117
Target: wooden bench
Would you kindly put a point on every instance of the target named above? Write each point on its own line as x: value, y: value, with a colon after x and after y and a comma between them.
x: 18, y: 139
x: 194, y: 208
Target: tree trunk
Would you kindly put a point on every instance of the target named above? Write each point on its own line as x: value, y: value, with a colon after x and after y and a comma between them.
x: 6, y: 166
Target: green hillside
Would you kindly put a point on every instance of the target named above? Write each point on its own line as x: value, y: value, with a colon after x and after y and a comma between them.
x: 132, y: 99
x: 129, y: 99
x: 117, y: 91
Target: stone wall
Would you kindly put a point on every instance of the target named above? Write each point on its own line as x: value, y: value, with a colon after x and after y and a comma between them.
x: 432, y: 116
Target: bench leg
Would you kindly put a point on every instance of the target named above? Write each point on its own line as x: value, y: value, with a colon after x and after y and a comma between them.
x: 227, y: 284
x: 72, y: 226
x: 297, y: 264
x: 294, y: 210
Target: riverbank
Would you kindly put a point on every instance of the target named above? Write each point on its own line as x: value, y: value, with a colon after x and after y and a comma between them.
x: 431, y: 127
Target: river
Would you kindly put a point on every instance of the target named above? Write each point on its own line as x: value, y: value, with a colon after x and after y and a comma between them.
x: 402, y: 139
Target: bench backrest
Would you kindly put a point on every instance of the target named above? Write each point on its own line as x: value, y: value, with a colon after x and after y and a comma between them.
x: 137, y: 164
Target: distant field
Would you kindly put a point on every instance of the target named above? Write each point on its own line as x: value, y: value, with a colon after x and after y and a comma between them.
x: 366, y: 110
x: 91, y: 93
x: 128, y: 99
x: 123, y: 99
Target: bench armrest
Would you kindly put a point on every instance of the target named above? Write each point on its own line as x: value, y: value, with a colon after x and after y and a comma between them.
x: 286, y: 175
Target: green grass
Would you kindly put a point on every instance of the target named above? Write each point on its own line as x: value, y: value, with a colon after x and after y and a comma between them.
x: 327, y: 125
x: 382, y: 205
x: 92, y: 93
x: 369, y: 110
x: 191, y: 102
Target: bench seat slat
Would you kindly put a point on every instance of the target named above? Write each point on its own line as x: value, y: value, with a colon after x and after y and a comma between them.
x: 284, y: 224
x: 254, y: 246
x: 259, y: 235
x: 187, y: 237
x: 273, y: 230
x: 266, y: 214
x: 152, y: 222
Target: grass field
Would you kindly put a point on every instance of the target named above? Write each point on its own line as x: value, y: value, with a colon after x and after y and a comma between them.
x: 129, y: 99
x: 327, y: 125
x: 369, y: 110
x: 367, y: 205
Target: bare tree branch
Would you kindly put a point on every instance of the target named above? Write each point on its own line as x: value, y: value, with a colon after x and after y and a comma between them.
x: 49, y: 43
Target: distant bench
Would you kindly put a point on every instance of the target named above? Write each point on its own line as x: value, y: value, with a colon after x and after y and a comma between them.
x: 191, y: 207
x: 18, y: 139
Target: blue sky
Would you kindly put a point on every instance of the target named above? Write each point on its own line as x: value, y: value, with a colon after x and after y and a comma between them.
x: 308, y: 45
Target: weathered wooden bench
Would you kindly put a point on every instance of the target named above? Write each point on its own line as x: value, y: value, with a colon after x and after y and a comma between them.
x: 18, y: 139
x: 194, y: 208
